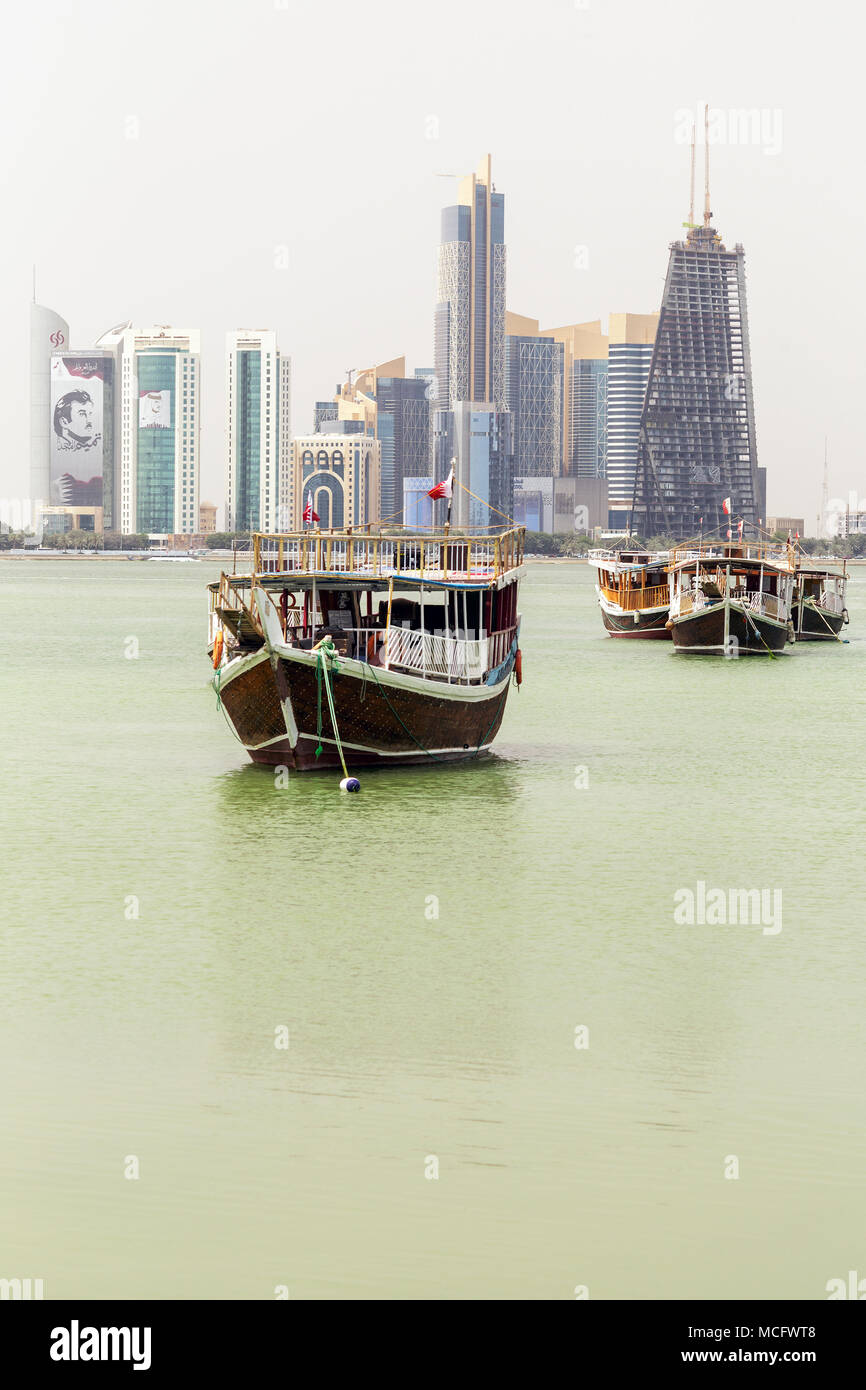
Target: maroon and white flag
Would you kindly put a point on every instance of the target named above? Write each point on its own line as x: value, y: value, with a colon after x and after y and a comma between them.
x: 740, y: 529
x: 443, y: 489
x: 726, y: 506
x: 309, y: 514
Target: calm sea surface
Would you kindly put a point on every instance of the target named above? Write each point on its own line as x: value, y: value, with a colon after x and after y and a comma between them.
x: 623, y: 773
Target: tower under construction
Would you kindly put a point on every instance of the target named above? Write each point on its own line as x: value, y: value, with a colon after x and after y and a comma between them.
x: 697, y: 436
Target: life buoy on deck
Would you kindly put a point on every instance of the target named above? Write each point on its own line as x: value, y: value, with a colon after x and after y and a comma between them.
x: 218, y: 643
x: 518, y: 667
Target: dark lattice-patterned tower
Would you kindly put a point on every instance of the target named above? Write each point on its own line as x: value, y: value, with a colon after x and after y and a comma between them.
x: 697, y: 438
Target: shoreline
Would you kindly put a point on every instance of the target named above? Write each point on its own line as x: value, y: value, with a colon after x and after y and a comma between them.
x: 179, y: 557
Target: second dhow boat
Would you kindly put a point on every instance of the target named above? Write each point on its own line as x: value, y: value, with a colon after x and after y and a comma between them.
x: 632, y: 592
x: 731, y: 597
x: 819, y: 604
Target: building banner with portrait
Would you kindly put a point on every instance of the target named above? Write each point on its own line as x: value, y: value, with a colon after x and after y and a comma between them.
x: 80, y: 388
x: 154, y: 410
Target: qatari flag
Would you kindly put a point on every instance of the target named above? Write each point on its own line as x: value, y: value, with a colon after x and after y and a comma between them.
x: 443, y: 489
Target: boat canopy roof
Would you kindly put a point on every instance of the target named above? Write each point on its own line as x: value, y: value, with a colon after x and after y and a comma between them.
x: 628, y: 559
x: 743, y: 553
x: 375, y: 558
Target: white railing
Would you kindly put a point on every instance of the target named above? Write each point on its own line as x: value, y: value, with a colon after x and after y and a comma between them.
x: 831, y: 601
x: 771, y: 605
x: 687, y: 601
x: 452, y: 658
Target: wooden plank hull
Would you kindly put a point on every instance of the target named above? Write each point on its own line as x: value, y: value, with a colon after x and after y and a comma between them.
x: 638, y: 623
x: 817, y: 625
x: 709, y: 631
x: 272, y: 702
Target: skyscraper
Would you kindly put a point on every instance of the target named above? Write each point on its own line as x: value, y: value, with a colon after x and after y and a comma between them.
x: 159, y: 428
x: 403, y: 429
x: 588, y: 417
x: 257, y: 414
x: 48, y: 333
x: 584, y: 432
x: 697, y: 438
x: 469, y: 338
x: 630, y: 349
x: 604, y: 377
x: 533, y: 393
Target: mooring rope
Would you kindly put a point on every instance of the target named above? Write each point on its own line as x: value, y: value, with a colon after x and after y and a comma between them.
x: 326, y: 652
x: 749, y: 619
x: 810, y: 603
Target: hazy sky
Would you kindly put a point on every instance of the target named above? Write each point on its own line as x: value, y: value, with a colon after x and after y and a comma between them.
x: 157, y: 159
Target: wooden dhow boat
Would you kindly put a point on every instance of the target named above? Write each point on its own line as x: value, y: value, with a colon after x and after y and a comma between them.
x: 731, y: 597
x: 633, y: 592
x: 820, y: 597
x: 368, y: 648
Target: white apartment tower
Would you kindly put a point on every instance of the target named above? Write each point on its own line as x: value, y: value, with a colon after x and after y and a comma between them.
x: 160, y: 383
x: 258, y: 428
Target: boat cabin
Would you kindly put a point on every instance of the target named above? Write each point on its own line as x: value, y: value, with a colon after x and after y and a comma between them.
x: 441, y: 606
x: 756, y: 575
x: 632, y: 579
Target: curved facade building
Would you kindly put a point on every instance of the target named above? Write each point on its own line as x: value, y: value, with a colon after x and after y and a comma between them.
x: 341, y: 473
x: 48, y: 333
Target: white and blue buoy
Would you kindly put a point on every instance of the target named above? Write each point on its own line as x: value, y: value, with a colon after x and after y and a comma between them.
x: 350, y: 784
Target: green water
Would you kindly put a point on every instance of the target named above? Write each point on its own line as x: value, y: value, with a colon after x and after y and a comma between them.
x: 413, y: 1036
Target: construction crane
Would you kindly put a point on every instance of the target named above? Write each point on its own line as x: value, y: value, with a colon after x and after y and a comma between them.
x: 691, y: 222
x: 707, y: 214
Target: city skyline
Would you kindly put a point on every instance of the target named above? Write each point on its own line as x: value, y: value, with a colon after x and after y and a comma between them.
x: 590, y: 215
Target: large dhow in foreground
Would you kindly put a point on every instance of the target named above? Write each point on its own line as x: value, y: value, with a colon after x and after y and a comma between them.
x: 732, y: 597
x: 363, y: 648
x: 632, y: 591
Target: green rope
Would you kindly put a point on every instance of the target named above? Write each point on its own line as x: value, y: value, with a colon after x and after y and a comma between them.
x: 319, y: 705
x: 749, y: 619
x: 810, y: 603
x: 408, y: 731
x: 324, y: 654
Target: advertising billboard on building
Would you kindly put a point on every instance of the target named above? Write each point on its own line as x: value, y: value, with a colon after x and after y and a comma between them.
x: 81, y: 386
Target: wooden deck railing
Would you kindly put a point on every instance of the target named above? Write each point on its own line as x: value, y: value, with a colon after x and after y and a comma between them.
x: 656, y: 596
x: 439, y: 557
